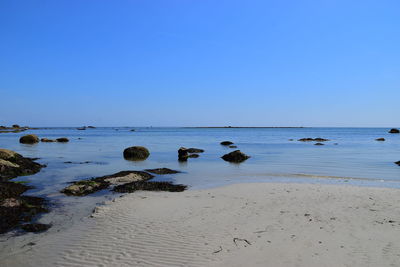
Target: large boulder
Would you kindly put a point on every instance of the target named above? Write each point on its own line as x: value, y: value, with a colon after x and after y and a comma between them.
x: 394, y: 130
x: 183, y: 154
x: 235, y: 156
x: 136, y: 153
x: 29, y: 139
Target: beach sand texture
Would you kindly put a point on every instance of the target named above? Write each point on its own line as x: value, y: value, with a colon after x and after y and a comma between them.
x: 238, y: 225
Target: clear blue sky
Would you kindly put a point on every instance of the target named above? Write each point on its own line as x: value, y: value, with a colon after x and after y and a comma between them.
x: 205, y: 62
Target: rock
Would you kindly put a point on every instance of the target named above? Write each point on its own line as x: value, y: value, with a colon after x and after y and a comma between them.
x: 226, y: 143
x: 398, y: 162
x: 16, y: 126
x: 232, y: 146
x: 35, y: 227
x: 394, y: 130
x: 194, y: 150
x: 291, y: 139
x: 136, y: 153
x: 162, y: 171
x: 13, y: 164
x: 150, y: 186
x: 91, y: 127
x: 46, y: 140
x: 235, y: 156
x: 85, y: 187
x: 62, y: 140
x: 29, y: 139
x: 81, y: 128
x: 183, y: 154
x: 313, y: 140
x: 82, y: 188
x: 380, y: 139
x: 132, y: 130
x: 193, y: 155
x: 318, y: 144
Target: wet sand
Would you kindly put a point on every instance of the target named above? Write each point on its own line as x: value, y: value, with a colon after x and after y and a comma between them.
x: 238, y: 225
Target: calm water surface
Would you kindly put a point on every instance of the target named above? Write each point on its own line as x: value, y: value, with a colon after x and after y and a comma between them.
x: 351, y: 157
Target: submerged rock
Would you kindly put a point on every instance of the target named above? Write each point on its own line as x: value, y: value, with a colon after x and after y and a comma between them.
x: 235, y: 156
x: 394, y: 130
x: 35, y: 227
x: 193, y: 155
x: 62, y: 140
x: 136, y: 153
x: 232, y: 146
x: 162, y: 171
x: 85, y: 187
x: 13, y: 164
x: 149, y: 186
x: 318, y: 139
x: 318, y: 144
x: 91, y: 127
x: 29, y: 139
x: 194, y: 150
x: 380, y: 139
x: 46, y: 140
x: 226, y: 143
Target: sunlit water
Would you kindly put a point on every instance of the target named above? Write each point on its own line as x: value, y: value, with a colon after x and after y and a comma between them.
x: 351, y: 157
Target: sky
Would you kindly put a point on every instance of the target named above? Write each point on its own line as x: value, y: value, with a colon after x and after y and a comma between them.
x: 200, y: 63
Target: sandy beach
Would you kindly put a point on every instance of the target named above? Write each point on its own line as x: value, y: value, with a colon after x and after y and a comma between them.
x: 261, y: 224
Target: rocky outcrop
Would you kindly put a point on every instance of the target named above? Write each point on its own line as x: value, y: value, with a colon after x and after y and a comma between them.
x: 185, y: 153
x: 35, y: 227
x: 235, y: 156
x: 13, y: 164
x: 394, y: 130
x: 162, y: 171
x: 85, y: 187
x: 194, y: 150
x: 226, y: 143
x: 29, y: 139
x: 136, y: 153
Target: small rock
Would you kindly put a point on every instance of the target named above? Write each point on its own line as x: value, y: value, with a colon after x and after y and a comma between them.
x: 62, y: 140
x: 235, y: 156
x: 394, y: 130
x: 398, y: 162
x: 162, y: 171
x: 194, y: 155
x: 232, y: 146
x: 318, y: 144
x: 136, y: 153
x: 226, y: 143
x: 194, y: 150
x: 380, y: 139
x: 29, y: 139
x: 46, y: 140
x: 183, y: 154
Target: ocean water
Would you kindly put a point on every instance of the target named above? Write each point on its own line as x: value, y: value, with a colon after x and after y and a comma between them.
x: 351, y: 157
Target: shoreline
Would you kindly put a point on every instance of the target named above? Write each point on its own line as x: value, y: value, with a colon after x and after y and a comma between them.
x: 254, y: 224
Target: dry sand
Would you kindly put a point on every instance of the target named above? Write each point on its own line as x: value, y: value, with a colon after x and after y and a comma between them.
x: 239, y: 225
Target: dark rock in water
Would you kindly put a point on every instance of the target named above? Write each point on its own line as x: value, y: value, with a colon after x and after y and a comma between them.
x: 91, y: 127
x: 16, y: 126
x: 29, y: 139
x: 398, y: 162
x: 46, y: 140
x: 132, y: 130
x: 183, y: 154
x: 85, y: 187
x: 232, y: 146
x: 136, y: 153
x: 235, y: 156
x: 81, y: 128
x: 394, y: 130
x: 318, y: 144
x: 13, y: 164
x: 149, y: 186
x: 35, y: 227
x: 194, y: 155
x: 313, y: 140
x: 194, y: 150
x: 162, y: 171
x: 226, y: 143
x: 12, y: 190
x: 380, y: 139
x: 62, y: 140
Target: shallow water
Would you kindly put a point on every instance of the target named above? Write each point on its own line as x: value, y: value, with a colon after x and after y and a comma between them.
x: 356, y: 159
